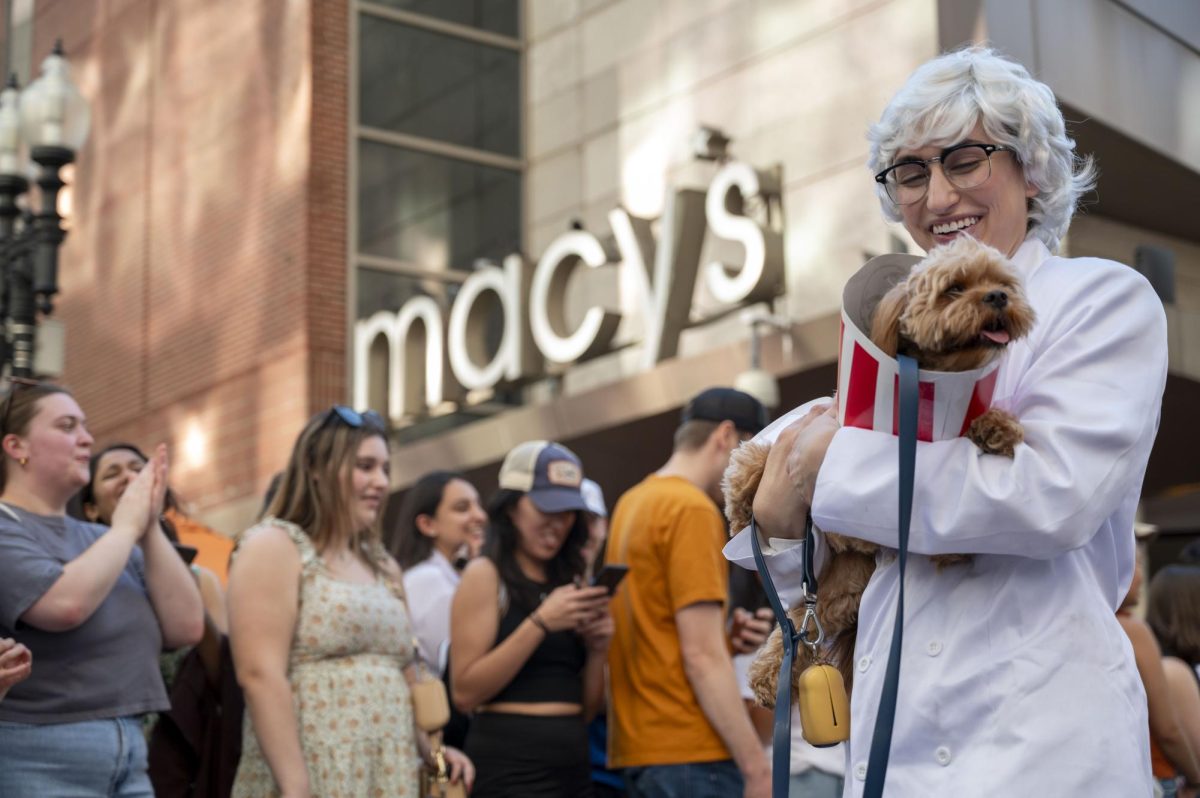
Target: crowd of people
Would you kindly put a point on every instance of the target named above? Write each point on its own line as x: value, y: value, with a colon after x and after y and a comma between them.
x: 588, y: 652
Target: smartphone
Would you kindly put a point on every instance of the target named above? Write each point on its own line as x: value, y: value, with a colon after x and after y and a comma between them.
x: 610, y: 576
x: 188, y: 553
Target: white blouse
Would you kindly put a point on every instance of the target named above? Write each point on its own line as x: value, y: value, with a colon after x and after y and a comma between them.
x: 430, y: 586
x: 1016, y: 677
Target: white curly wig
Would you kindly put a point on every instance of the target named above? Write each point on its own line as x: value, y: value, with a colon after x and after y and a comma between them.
x: 944, y: 99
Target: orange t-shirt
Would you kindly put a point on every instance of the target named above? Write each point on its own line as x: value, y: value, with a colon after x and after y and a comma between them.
x: 212, y: 548
x: 670, y: 534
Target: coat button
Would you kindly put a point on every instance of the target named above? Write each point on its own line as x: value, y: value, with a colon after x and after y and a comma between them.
x: 942, y: 755
x: 934, y: 648
x: 863, y: 664
x: 860, y: 771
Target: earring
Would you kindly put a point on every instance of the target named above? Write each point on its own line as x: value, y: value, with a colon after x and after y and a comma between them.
x: 24, y: 461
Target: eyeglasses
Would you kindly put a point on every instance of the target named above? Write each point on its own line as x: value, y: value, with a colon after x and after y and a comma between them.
x: 14, y: 384
x: 964, y: 165
x: 352, y: 418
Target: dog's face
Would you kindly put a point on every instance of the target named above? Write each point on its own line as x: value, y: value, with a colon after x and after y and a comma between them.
x: 956, y: 312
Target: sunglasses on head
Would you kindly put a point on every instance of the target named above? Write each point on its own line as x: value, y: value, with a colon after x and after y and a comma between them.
x: 352, y: 418
x: 14, y: 384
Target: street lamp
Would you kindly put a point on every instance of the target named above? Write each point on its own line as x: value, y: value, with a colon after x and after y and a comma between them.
x: 51, y: 119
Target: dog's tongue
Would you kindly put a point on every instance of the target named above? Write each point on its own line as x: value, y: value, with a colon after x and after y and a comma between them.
x: 996, y: 336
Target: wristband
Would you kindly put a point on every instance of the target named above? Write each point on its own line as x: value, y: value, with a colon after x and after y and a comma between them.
x: 538, y: 621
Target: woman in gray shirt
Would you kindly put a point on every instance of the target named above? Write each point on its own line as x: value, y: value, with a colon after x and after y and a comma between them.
x: 94, y: 605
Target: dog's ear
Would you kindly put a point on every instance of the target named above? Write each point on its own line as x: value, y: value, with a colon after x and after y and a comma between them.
x: 885, y: 323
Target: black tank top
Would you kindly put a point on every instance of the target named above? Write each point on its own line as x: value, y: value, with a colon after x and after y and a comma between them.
x: 553, y: 671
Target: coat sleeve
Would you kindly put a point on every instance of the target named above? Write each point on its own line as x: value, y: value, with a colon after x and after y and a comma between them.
x: 1089, y: 401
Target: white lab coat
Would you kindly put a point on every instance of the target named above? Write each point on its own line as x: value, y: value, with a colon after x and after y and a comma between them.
x: 1016, y: 678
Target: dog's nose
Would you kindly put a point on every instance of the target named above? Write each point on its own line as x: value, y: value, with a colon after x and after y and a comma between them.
x: 997, y: 299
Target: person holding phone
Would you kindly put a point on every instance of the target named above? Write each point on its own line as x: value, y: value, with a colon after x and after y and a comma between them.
x: 607, y: 783
x: 528, y: 642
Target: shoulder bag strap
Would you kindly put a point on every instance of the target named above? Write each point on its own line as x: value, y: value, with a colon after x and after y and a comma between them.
x: 781, y: 751
x: 881, y: 739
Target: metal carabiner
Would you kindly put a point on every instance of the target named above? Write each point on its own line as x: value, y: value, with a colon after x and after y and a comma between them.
x: 811, y: 621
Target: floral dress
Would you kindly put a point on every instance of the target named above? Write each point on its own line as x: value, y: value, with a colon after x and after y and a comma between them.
x: 352, y: 702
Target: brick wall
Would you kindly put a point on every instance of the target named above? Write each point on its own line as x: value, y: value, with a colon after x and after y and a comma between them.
x: 204, y: 278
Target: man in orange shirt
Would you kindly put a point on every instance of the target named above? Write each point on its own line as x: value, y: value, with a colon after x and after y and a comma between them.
x: 677, y: 723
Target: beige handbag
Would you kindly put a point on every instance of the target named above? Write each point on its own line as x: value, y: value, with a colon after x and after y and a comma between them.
x: 431, y: 713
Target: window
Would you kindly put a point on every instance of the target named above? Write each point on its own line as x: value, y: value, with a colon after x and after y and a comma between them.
x: 438, y: 155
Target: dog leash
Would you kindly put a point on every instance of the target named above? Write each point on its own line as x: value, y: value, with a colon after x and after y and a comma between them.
x: 881, y: 738
x: 781, y: 750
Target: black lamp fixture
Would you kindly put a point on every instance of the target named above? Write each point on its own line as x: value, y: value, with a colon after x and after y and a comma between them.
x: 50, y: 120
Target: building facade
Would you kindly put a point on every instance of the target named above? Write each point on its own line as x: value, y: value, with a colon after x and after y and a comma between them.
x: 500, y: 220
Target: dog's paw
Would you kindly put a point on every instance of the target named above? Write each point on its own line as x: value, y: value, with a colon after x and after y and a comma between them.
x: 740, y: 482
x: 996, y: 432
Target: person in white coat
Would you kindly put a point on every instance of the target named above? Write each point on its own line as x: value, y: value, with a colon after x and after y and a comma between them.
x: 1016, y: 677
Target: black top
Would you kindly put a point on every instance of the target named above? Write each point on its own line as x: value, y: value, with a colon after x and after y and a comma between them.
x: 553, y: 671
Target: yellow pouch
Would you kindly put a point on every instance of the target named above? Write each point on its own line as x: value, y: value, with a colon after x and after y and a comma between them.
x: 824, y: 706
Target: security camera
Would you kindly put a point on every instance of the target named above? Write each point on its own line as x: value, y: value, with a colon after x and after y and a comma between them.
x: 710, y: 144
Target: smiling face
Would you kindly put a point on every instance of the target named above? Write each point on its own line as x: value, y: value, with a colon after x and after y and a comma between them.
x: 57, y: 445
x: 114, y: 471
x: 458, y: 522
x: 994, y: 212
x: 540, y: 535
x: 369, y: 481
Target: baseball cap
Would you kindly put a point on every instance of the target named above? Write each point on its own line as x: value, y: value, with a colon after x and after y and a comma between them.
x: 593, y: 497
x: 548, y: 473
x: 727, y: 404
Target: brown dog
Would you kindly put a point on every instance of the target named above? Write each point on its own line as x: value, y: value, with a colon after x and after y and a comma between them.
x: 956, y: 311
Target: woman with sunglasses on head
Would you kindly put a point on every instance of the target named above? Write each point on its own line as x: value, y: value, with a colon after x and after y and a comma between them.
x: 321, y: 637
x: 94, y: 605
x: 529, y: 643
x: 1017, y: 678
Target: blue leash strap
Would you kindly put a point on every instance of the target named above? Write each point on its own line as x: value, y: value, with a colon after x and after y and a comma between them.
x: 781, y: 751
x: 881, y: 739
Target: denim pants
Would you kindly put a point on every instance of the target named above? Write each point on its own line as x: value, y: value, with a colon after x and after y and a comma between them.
x: 696, y: 780
x: 813, y: 783
x: 74, y: 760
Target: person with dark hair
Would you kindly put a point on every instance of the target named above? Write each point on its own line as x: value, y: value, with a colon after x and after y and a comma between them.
x: 528, y: 641
x: 94, y: 604
x: 1172, y: 753
x: 113, y: 468
x: 1173, y: 613
x: 200, y: 735
x: 440, y: 528
x: 321, y: 638
x: 670, y: 665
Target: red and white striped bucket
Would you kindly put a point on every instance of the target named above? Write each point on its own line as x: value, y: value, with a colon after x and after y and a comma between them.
x: 868, y: 379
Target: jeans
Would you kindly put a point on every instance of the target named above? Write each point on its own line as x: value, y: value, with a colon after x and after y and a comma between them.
x: 74, y: 760
x: 696, y: 780
x: 813, y: 783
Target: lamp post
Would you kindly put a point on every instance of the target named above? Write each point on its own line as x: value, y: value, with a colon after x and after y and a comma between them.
x: 50, y: 118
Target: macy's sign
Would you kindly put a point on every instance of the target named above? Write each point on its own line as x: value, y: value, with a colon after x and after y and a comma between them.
x: 423, y: 371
